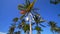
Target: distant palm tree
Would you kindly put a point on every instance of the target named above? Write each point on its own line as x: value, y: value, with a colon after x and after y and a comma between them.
x: 55, y: 1
x: 54, y: 27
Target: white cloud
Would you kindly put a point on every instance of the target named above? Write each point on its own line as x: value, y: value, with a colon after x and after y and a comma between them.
x: 2, y: 33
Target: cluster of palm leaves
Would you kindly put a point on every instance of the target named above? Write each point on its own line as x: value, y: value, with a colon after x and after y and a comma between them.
x: 23, y: 25
x: 54, y: 1
x: 28, y: 8
x: 54, y: 27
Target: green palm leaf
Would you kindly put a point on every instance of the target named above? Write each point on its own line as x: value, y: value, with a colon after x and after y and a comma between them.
x: 21, y: 7
x: 15, y: 19
x: 27, y: 3
x: 26, y: 27
x: 22, y: 16
x: 38, y: 28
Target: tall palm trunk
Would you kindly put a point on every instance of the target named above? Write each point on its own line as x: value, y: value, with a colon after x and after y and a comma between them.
x: 30, y: 28
x: 29, y: 16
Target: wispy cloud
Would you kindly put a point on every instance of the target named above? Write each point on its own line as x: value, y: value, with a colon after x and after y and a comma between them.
x: 2, y: 33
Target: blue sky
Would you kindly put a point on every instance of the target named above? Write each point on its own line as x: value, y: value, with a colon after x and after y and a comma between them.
x: 9, y: 10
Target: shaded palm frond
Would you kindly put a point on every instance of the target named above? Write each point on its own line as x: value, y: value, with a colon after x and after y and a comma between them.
x: 21, y: 24
x: 27, y: 3
x: 38, y: 28
x: 53, y: 2
x: 21, y: 7
x: 26, y: 27
x: 22, y: 16
x: 15, y: 19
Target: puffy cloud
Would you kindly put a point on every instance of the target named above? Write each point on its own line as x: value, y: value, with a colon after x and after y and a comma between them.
x: 2, y: 33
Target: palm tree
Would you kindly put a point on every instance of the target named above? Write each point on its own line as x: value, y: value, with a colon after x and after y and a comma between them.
x: 36, y: 17
x: 26, y: 11
x: 54, y: 27
x: 55, y: 1
x: 27, y: 8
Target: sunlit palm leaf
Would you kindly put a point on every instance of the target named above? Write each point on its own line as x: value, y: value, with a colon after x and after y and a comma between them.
x: 57, y: 29
x: 30, y: 6
x: 41, y: 20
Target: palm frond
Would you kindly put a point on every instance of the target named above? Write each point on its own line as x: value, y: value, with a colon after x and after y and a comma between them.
x: 38, y: 28
x: 22, y: 16
x: 54, y: 2
x: 15, y: 19
x: 27, y: 3
x: 21, y: 7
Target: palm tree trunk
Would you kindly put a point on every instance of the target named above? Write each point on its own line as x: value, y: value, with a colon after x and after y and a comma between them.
x: 30, y: 28
x: 30, y: 22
